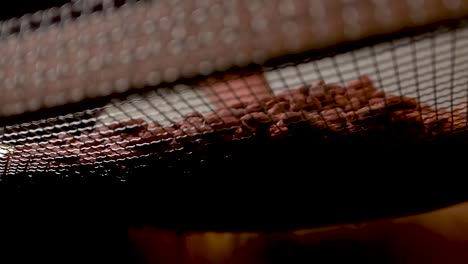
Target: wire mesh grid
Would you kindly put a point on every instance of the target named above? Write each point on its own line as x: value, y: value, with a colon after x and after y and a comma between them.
x: 72, y: 53
x: 418, y: 85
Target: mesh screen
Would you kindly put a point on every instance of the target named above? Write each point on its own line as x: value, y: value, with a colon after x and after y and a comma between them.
x: 411, y: 89
x: 88, y: 49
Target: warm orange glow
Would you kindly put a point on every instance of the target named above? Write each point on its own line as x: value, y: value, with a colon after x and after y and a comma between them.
x: 436, y: 237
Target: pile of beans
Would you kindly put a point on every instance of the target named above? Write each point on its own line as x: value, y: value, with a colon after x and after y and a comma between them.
x: 320, y: 111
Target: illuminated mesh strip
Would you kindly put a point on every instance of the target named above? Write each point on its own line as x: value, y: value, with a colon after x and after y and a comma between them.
x: 148, y: 42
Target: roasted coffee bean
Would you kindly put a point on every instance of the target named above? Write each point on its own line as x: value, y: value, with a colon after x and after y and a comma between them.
x: 133, y: 122
x: 460, y: 117
x: 274, y: 101
x: 278, y: 108
x: 299, y: 105
x: 363, y: 95
x: 95, y: 135
x: 129, y: 127
x: 241, y: 132
x: 290, y: 117
x: 393, y: 99
x: 360, y: 83
x: 154, y: 126
x: 223, y: 122
x: 414, y: 116
x: 336, y: 115
x: 226, y: 112
x: 378, y: 93
x: 313, y: 103
x: 304, y: 89
x: 185, y: 130
x: 158, y: 133
x: 240, y: 105
x: 194, y: 127
x: 355, y: 104
x: 334, y: 89
x: 277, y: 131
x: 297, y: 99
x: 341, y: 101
x: 401, y: 102
x: 220, y: 113
x: 438, y: 120
x: 254, y: 107
x: 175, y: 144
x: 194, y: 122
x: 364, y: 112
x: 377, y: 104
x: 377, y: 100
x: 322, y: 95
x: 318, y: 92
x: 315, y: 120
x: 337, y: 127
x: 429, y: 117
x: 192, y: 115
x: 144, y: 135
x: 410, y: 102
x: 64, y: 139
x: 295, y: 94
x: 316, y: 86
x: 352, y: 127
x: 351, y: 116
x: 254, y: 120
x: 461, y: 108
x: 104, y: 131
x: 400, y: 116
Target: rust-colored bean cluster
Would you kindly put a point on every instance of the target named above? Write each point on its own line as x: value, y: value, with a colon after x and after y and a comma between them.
x: 320, y: 109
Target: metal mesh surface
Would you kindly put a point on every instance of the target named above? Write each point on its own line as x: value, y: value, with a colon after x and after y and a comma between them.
x: 76, y: 52
x: 407, y: 89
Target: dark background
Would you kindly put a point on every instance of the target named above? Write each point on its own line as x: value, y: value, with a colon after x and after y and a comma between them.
x: 18, y: 8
